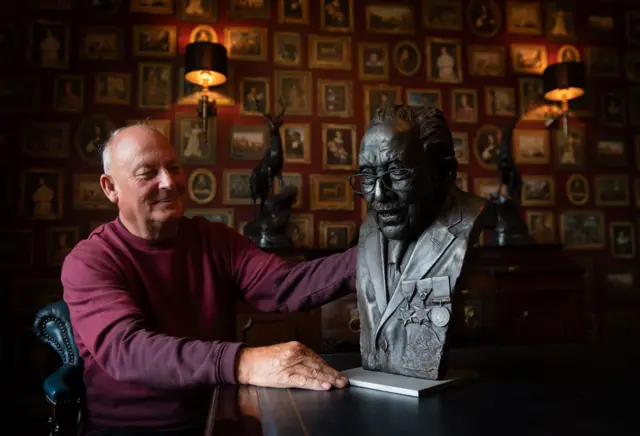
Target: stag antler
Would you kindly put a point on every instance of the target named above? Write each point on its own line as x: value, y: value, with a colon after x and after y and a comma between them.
x: 283, y: 103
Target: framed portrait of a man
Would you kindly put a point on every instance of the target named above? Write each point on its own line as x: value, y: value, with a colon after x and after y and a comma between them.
x: 335, y: 98
x: 295, y: 88
x: 113, y: 88
x: 444, y: 60
x: 154, y: 41
x: 88, y: 195
x: 92, y: 133
x: 373, y: 61
x: 254, y: 92
x: 68, y: 93
x: 202, y: 186
x: 46, y: 140
x: 378, y: 97
x: 194, y: 148
x: 246, y: 43
x: 154, y: 85
x: 339, y: 147
x: 407, y: 58
x: 48, y: 44
x: 200, y: 11
x: 296, y: 140
x: 42, y: 194
x: 102, y: 43
x: 484, y: 18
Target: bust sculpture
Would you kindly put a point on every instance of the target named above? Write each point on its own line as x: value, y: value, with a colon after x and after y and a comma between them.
x: 414, y: 244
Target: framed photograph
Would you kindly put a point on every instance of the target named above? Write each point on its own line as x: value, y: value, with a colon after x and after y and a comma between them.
x: 461, y: 147
x: 486, y: 146
x: 633, y: 101
x: 578, y: 189
x: 189, y: 94
x: 531, y: 147
x: 154, y: 41
x: 295, y: 87
x: 614, y: 111
x: 248, y: 143
x: 217, y: 215
x: 330, y: 192
x: 293, y: 11
x: 538, y: 191
x: 620, y: 281
x: 444, y: 60
x: 162, y: 126
x: 560, y: 22
x: 373, y: 61
x: 296, y: 140
x: 339, y: 147
x: 622, y: 236
x: 300, y: 229
x: 464, y: 105
x: 632, y: 66
x: 202, y: 186
x: 42, y: 192
x: 16, y: 248
x: 336, y: 235
x: 46, y: 140
x: 390, y: 18
x: 407, y: 58
x: 152, y: 7
x: 633, y: 26
x: 485, y: 186
x: 203, y: 33
x: 533, y: 105
x: 484, y: 18
x: 379, y: 97
x: 200, y: 11
x: 9, y: 41
x: 113, y: 88
x: 529, y: 58
x: 88, y: 194
x: 462, y: 182
x: 582, y: 229
x: 255, y: 95
x: 288, y: 49
x: 524, y: 18
x: 336, y: 16
x: 570, y: 151
x: 330, y: 52
x: 602, y: 61
x: 192, y: 146
x: 68, y: 93
x: 237, y: 187
x: 292, y: 179
x: 424, y: 97
x: 486, y: 60
x: 612, y: 190
x: 335, y: 98
x: 500, y: 101
x: 568, y: 53
x: 61, y: 242
x: 154, y: 85
x: 602, y: 26
x: 92, y: 133
x: 102, y: 44
x: 249, y: 10
x: 19, y: 94
x: 246, y: 43
x: 541, y: 224
x: 442, y: 14
x: 48, y: 44
x: 612, y: 152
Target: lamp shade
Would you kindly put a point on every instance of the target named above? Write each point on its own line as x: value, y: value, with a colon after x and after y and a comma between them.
x: 205, y: 63
x: 564, y: 81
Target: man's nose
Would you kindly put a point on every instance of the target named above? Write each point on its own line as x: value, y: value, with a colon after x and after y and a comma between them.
x: 166, y: 179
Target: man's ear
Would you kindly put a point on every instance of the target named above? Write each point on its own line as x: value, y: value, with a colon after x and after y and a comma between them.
x: 109, y: 188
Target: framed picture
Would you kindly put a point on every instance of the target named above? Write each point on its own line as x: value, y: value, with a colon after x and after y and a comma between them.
x: 578, y: 189
x: 582, y: 229
x: 612, y: 190
x: 48, y: 44
x: 296, y: 139
x: 485, y: 186
x: 612, y: 152
x: 529, y: 58
x: 92, y: 133
x: 9, y: 41
x: 42, y: 194
x: 602, y: 61
x: 633, y: 101
x: 202, y: 186
x: 336, y: 16
x: 255, y: 95
x: 113, y: 88
x: 300, y: 229
x: 524, y: 18
x: 486, y: 60
x: 388, y: 18
x: 292, y: 179
x: 538, y: 191
x: 560, y: 22
x: 16, y: 248
x: 620, y: 281
x: 200, y: 11
x: 203, y: 33
x: 246, y: 43
x: 632, y: 66
x: 570, y: 151
x: 484, y: 18
x: 217, y: 215
x: 154, y: 7
x: 424, y: 97
x: 462, y: 182
x: 102, y: 44
x: 248, y: 143
x: 373, y: 61
x: 486, y: 146
x: 500, y: 101
x: 633, y: 26
x: 295, y: 88
x: 193, y: 147
x: 330, y: 192
x: 335, y: 98
x: 336, y: 235
x: 237, y: 187
x: 602, y: 26
x: 61, y: 242
x: 442, y: 14
x: 68, y: 93
x: 330, y: 52
x: 379, y: 97
x: 464, y: 105
x: 46, y: 140
x: 339, y: 147
x: 461, y: 147
x: 293, y: 11
x: 19, y: 94
x: 154, y: 85
x: 541, y: 226
x: 189, y: 94
x: 88, y: 194
x: 568, y: 53
x: 614, y: 110
x: 531, y: 147
x: 533, y: 105
x: 243, y: 10
x: 407, y: 58
x: 288, y: 48
x: 154, y: 41
x: 162, y: 126
x: 444, y: 60
x: 622, y: 236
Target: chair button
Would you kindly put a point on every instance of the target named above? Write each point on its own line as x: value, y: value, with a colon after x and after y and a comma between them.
x: 385, y: 345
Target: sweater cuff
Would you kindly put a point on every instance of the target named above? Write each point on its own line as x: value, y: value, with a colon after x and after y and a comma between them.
x: 228, y: 363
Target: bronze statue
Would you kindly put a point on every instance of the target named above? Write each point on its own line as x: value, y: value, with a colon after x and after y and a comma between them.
x: 414, y: 244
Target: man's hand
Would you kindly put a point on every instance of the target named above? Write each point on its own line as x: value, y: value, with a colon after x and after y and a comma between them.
x: 290, y: 365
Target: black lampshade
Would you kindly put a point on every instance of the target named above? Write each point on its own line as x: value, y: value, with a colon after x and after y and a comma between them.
x: 205, y: 63
x: 564, y: 81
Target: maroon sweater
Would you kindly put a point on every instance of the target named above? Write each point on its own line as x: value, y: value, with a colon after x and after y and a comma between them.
x: 154, y: 321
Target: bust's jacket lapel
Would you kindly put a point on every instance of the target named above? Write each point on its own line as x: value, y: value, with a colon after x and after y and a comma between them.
x: 376, y: 260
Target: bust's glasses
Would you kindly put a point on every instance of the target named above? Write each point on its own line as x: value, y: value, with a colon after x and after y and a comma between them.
x: 394, y: 180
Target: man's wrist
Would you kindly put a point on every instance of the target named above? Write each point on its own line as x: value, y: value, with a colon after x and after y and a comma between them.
x: 242, y: 366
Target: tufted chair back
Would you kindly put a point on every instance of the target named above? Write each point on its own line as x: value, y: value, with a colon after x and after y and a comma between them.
x: 52, y: 325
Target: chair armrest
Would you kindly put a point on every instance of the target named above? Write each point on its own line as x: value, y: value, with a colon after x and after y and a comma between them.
x: 64, y: 385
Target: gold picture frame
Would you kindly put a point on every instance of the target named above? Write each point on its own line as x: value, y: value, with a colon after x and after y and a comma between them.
x: 399, y: 51
x: 202, y: 194
x: 524, y: 11
x: 433, y: 45
x: 203, y: 32
x: 324, y: 228
x: 282, y: 42
x: 424, y: 97
x: 529, y: 200
x: 351, y: 146
x: 248, y: 33
x: 249, y: 101
x: 600, y: 237
x: 247, y: 142
x: 378, y: 14
x: 330, y: 192
x: 101, y: 86
x: 150, y: 8
x: 303, y: 81
x: 301, y: 229
x: 495, y: 94
x: 316, y: 48
x: 65, y: 97
x: 453, y: 8
x: 165, y: 69
x: 58, y: 37
x: 294, y: 16
x: 236, y: 192
x: 630, y: 239
x: 468, y: 114
x: 541, y: 153
x: 255, y: 13
x: 369, y: 100
x: 622, y: 182
x: 48, y: 201
x: 341, y: 92
x: 577, y: 198
x: 546, y: 233
x: 481, y: 66
x: 291, y: 132
x: 350, y: 18
x: 139, y: 50
x: 88, y: 195
x: 382, y: 48
x: 521, y: 53
x: 288, y: 177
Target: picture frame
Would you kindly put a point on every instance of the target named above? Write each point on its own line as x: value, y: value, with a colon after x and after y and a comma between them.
x: 330, y: 192
x: 16, y: 248
x: 145, y: 7
x: 336, y: 235
x: 92, y: 132
x: 255, y: 98
x: 335, y: 98
x: 486, y: 146
x: 442, y: 66
x: 582, y: 229
x: 461, y: 147
x: 602, y: 61
x: 337, y: 17
x: 577, y: 189
x: 102, y: 43
x: 407, y: 58
x: 612, y: 151
x: 237, y: 187
x: 614, y: 109
x: 88, y: 194
x: 203, y: 11
x: 300, y: 230
x: 225, y: 215
x: 250, y: 11
x: 485, y: 186
x: 191, y: 147
x: 68, y: 93
x: 295, y: 87
x: 235, y: 40
x: 560, y: 21
x: 46, y: 140
x: 632, y: 23
x: 61, y: 240
x: 531, y: 147
x: 538, y: 190
x: 42, y: 194
x: 292, y: 179
x: 462, y: 181
x: 202, y: 186
x: 287, y: 47
x: 533, y: 106
x: 154, y: 41
x: 524, y: 18
x: 247, y: 143
x: 48, y: 44
x: 155, y: 80
x: 339, y: 147
x: 529, y: 58
x: 442, y: 15
x: 390, y: 18
x: 426, y: 97
x: 541, y: 224
x: 373, y: 61
x: 296, y: 142
x: 619, y: 283
x: 486, y: 60
x: 161, y: 125
x: 622, y: 237
x: 568, y: 53
x: 500, y: 101
x: 612, y: 190
x: 602, y: 26
x: 570, y: 152
x: 484, y: 18
x: 464, y: 105
x: 379, y: 96
x: 203, y: 33
x: 293, y: 12
x: 329, y: 52
x: 113, y: 88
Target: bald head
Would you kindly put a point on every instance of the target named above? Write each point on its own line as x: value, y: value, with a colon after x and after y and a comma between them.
x: 129, y: 138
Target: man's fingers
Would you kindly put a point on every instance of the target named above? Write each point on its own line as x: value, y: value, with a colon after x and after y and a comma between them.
x: 320, y: 375
x: 297, y: 380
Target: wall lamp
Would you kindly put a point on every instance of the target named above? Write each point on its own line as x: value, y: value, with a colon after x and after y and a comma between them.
x: 563, y: 82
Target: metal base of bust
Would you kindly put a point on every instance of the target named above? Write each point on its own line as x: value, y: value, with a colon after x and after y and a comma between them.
x: 510, y: 229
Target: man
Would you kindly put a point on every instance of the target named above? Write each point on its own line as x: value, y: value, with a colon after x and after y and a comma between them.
x: 414, y: 241
x: 152, y: 294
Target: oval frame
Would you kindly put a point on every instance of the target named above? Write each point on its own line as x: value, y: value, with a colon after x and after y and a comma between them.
x: 568, y: 189
x: 482, y: 129
x: 567, y: 47
x: 496, y: 12
x: 209, y: 29
x: 214, y: 186
x: 110, y: 126
x: 415, y: 48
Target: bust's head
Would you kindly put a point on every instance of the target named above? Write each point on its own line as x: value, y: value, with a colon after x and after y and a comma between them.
x: 411, y: 149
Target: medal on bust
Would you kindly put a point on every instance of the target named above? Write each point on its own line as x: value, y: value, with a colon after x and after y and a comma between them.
x: 440, y: 315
